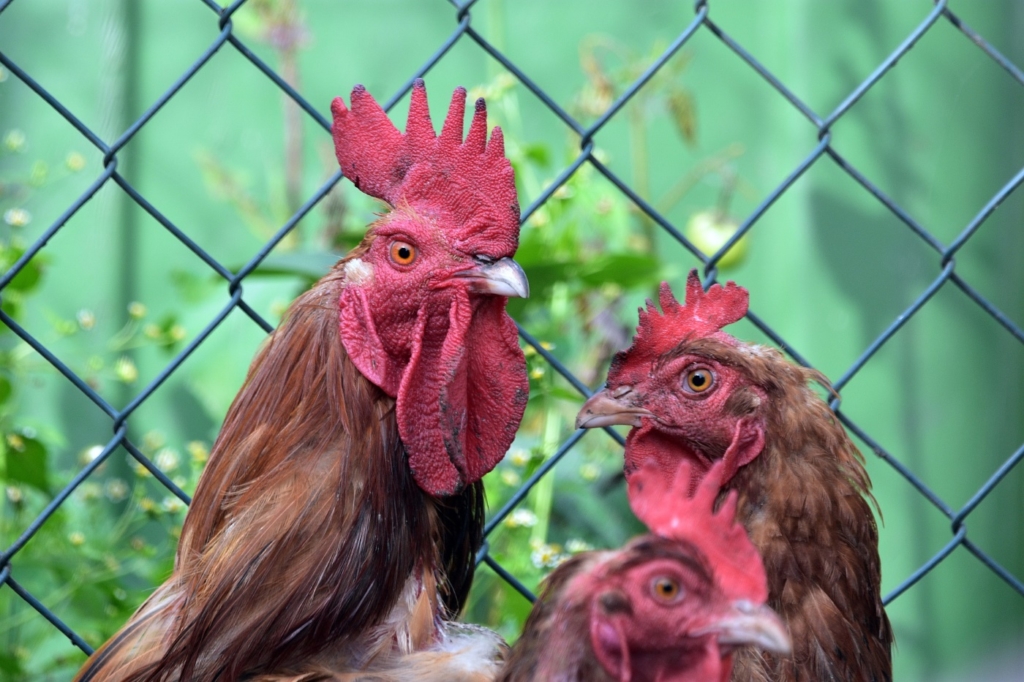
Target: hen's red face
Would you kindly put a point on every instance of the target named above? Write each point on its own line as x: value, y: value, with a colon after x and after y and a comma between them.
x: 656, y: 613
x: 422, y: 309
x: 678, y: 387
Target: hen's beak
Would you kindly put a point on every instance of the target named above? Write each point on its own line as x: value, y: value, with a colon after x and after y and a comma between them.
x: 746, y: 624
x: 608, y: 407
x: 502, y: 277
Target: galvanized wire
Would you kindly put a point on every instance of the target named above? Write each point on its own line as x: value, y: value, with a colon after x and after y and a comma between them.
x: 819, y: 145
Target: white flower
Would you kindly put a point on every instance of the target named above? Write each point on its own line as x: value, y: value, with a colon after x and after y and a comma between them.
x: 166, y: 460
x: 547, y: 556
x: 521, y: 518
x: 172, y: 505
x: 115, y: 490
x: 17, y: 217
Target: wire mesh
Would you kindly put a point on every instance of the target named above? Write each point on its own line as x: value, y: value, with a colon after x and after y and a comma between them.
x: 945, y: 264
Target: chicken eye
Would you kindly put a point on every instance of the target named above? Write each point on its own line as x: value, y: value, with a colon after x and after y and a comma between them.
x: 665, y: 589
x: 403, y: 253
x: 699, y: 380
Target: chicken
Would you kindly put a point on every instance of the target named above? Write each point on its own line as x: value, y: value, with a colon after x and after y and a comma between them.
x: 693, y: 393
x: 672, y: 606
x: 337, y: 521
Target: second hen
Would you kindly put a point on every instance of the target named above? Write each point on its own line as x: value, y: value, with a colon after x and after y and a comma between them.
x: 672, y: 606
x: 693, y: 393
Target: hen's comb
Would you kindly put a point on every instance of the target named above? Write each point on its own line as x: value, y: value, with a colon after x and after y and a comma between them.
x: 466, y: 184
x: 668, y: 509
x: 704, y: 314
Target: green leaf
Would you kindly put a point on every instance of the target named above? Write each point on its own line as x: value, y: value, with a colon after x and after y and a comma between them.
x: 5, y: 389
x: 628, y: 270
x: 28, y: 277
x: 10, y: 665
x: 538, y: 153
x: 572, y: 395
x: 26, y: 461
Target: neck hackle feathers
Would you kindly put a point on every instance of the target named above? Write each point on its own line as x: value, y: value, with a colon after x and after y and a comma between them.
x: 468, y: 186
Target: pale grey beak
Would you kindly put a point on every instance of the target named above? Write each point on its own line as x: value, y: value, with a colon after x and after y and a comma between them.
x: 503, y: 277
x: 608, y: 407
x: 746, y: 624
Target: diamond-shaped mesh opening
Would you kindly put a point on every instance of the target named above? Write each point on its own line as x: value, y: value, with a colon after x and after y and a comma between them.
x: 819, y: 152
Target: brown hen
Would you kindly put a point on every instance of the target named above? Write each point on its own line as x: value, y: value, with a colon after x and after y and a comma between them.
x: 673, y: 606
x: 693, y: 393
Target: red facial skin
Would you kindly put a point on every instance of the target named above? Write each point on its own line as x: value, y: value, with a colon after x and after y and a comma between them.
x: 449, y: 355
x: 426, y: 322
x: 690, y: 426
x: 659, y: 639
x: 648, y: 386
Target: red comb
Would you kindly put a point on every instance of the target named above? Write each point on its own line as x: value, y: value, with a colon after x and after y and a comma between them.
x: 668, y: 509
x: 468, y: 186
x: 704, y: 314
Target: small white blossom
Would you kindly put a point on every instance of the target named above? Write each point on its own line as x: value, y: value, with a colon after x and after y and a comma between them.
x: 547, y: 556
x: 172, y: 505
x: 17, y: 217
x: 521, y: 518
x: 115, y: 490
x: 575, y: 546
x: 166, y: 460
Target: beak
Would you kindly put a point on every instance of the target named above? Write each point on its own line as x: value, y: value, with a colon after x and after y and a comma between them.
x: 503, y: 277
x: 746, y: 624
x: 608, y: 407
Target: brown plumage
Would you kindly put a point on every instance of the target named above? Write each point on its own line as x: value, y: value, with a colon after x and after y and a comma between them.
x: 305, y: 428
x: 694, y: 393
x: 336, y: 524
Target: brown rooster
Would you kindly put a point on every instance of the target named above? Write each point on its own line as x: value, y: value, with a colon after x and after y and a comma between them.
x: 336, y: 523
x: 668, y: 607
x: 694, y: 393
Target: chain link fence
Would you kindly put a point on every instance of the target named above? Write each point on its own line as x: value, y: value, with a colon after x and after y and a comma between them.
x: 945, y: 272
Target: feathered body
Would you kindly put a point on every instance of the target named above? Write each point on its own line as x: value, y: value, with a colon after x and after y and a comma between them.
x: 672, y: 606
x: 694, y: 393
x: 336, y: 523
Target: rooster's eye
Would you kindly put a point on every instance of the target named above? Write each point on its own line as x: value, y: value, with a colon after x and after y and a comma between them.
x: 699, y: 380
x: 403, y: 253
x: 665, y: 589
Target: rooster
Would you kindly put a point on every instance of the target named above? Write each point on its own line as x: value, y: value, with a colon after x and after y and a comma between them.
x: 693, y: 393
x: 336, y: 523
x: 672, y: 606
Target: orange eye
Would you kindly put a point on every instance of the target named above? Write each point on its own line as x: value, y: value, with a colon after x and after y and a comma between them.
x: 699, y: 380
x: 403, y: 253
x: 665, y: 589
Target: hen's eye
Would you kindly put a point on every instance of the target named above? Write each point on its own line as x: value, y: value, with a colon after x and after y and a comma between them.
x: 665, y: 589
x: 699, y: 380
x: 403, y: 253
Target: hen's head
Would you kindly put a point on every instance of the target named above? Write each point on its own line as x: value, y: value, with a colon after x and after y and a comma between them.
x: 423, y: 299
x: 692, y: 391
x: 673, y: 606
